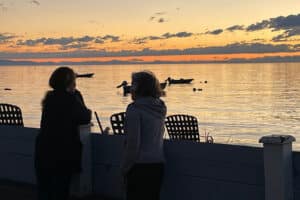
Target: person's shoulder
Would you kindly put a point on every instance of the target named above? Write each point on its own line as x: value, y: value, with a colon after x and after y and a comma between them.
x: 161, y: 101
x: 49, y: 95
x: 50, y: 99
x: 78, y: 93
x: 132, y: 111
x: 131, y: 108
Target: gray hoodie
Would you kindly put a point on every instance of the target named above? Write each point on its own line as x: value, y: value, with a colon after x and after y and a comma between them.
x: 144, y: 127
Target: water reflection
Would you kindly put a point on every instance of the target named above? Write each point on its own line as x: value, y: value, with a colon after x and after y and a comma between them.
x: 240, y: 103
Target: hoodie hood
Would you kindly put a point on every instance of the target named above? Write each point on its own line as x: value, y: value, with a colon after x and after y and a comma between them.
x: 153, y: 106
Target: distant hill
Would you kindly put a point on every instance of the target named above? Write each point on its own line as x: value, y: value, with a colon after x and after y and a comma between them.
x: 270, y: 59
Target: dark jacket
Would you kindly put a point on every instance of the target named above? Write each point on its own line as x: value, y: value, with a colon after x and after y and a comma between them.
x: 58, y: 146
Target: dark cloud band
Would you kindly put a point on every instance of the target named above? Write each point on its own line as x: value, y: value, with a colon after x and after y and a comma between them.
x: 234, y: 48
x: 215, y: 32
x: 165, y: 36
x: 68, y: 41
x: 6, y: 37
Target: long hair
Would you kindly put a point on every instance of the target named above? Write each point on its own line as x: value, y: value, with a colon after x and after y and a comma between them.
x: 145, y: 84
x: 60, y: 79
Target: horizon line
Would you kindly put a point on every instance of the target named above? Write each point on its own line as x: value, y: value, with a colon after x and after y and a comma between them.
x: 120, y: 62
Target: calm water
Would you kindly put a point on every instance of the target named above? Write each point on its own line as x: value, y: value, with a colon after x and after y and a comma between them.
x: 240, y: 103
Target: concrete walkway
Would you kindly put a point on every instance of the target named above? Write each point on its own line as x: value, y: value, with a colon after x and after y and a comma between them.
x: 18, y: 191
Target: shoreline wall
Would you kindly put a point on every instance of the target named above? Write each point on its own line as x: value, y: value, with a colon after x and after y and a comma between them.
x: 192, y: 171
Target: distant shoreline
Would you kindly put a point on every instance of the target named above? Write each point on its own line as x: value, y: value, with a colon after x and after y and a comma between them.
x: 117, y: 62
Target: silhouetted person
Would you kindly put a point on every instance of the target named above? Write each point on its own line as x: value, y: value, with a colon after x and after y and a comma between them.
x: 143, y: 160
x: 58, y: 147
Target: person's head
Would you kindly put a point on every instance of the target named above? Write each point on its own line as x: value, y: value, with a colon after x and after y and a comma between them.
x: 145, y: 84
x: 63, y: 78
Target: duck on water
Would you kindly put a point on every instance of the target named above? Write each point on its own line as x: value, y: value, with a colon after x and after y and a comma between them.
x: 126, y: 87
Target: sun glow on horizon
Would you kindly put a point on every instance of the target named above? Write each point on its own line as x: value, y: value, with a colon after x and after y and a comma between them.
x: 172, y: 58
x: 115, y: 26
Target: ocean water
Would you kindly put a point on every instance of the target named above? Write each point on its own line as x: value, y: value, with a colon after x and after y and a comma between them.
x: 239, y: 104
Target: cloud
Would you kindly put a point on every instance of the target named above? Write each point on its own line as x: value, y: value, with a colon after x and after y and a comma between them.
x: 235, y: 28
x: 287, y: 34
x: 215, y: 32
x: 165, y: 36
x: 289, y: 24
x: 158, y: 17
x: 35, y: 2
x: 285, y: 23
x: 59, y: 41
x: 74, y: 46
x: 240, y: 48
x: 234, y: 48
x: 161, y: 20
x: 99, y: 41
x: 31, y: 42
x: 64, y: 42
x: 258, y: 26
x: 6, y: 37
x: 112, y: 38
x: 85, y: 39
x: 67, y: 41
x: 144, y: 40
x: 297, y: 46
x: 178, y: 35
x: 154, y: 37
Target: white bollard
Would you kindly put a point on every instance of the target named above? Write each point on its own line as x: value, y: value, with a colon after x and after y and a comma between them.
x: 278, y: 164
x: 82, y: 184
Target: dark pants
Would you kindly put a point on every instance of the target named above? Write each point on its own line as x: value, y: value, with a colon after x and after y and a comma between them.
x: 144, y: 182
x: 53, y: 186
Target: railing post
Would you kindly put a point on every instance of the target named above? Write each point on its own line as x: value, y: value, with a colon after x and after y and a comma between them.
x: 278, y: 165
x: 82, y: 184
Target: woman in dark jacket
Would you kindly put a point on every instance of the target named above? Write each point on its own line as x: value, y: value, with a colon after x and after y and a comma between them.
x: 58, y: 147
x: 143, y: 160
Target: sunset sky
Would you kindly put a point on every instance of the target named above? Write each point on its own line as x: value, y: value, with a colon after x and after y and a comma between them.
x: 144, y: 30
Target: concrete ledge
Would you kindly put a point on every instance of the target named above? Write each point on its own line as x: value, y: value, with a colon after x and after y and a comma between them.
x: 277, y: 139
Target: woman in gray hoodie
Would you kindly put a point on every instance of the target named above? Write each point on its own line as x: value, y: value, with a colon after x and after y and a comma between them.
x: 143, y: 160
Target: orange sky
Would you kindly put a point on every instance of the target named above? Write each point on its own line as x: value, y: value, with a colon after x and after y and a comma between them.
x: 118, y: 25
